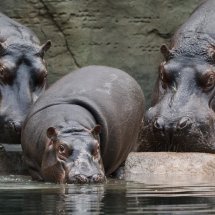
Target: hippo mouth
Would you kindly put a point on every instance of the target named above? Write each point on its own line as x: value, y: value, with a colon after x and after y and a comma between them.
x: 196, y: 139
x: 58, y: 173
x: 83, y: 179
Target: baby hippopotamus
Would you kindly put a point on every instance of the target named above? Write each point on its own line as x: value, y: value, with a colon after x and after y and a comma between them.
x: 84, y: 126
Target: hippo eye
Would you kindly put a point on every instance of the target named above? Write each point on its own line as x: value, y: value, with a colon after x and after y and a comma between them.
x: 64, y: 151
x: 41, y: 78
x: 3, y: 70
x: 95, y: 151
x: 61, y: 149
x: 5, y: 74
x: 209, y: 82
x: 162, y: 76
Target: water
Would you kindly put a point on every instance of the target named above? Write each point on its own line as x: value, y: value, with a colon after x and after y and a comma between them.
x: 19, y: 195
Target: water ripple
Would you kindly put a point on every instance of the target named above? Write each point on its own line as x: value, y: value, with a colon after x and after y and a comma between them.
x: 21, y: 195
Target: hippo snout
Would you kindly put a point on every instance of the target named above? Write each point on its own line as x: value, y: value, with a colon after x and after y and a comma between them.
x: 165, y: 126
x: 97, y: 178
x: 171, y: 134
x: 10, y: 130
x: 83, y: 179
x: 14, y: 126
x: 183, y: 133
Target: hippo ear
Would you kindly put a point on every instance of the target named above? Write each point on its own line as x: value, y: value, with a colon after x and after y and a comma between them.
x: 44, y: 48
x: 52, y: 133
x: 165, y: 51
x: 96, y: 130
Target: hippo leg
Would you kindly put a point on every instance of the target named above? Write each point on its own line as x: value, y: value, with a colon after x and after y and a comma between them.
x: 33, y: 169
x: 35, y: 175
x: 119, y: 173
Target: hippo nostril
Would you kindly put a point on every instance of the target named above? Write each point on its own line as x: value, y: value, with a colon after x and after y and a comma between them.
x: 159, y: 123
x: 9, y: 125
x: 81, y: 179
x: 183, y: 122
x: 97, y: 178
x: 17, y: 126
x: 14, y: 125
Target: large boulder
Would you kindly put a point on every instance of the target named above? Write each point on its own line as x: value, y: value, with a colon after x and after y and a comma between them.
x: 170, y: 167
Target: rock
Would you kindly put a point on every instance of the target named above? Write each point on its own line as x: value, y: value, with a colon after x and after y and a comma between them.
x: 170, y: 167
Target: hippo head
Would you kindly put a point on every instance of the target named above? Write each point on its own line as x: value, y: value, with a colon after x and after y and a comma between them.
x: 22, y: 79
x: 182, y: 114
x: 72, y: 156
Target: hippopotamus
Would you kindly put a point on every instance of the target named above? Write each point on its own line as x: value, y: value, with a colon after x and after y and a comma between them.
x: 22, y: 75
x: 83, y: 127
x: 182, y: 117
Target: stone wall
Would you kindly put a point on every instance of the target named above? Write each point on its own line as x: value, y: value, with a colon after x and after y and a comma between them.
x: 126, y: 34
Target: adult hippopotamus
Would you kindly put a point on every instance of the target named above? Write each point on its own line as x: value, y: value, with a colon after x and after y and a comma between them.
x: 83, y: 126
x: 182, y: 114
x: 22, y: 75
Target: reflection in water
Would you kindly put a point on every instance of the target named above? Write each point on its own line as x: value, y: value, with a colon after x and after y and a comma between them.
x: 161, y: 199
x: 83, y: 199
x: 19, y: 195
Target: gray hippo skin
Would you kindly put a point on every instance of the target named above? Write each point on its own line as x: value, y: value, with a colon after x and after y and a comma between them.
x: 84, y: 126
x: 22, y: 75
x: 182, y: 114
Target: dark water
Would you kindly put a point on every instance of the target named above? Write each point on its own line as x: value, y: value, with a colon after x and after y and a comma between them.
x: 19, y: 195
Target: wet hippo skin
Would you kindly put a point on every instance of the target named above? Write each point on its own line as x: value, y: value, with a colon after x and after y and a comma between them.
x: 22, y: 75
x: 84, y: 126
x: 182, y: 115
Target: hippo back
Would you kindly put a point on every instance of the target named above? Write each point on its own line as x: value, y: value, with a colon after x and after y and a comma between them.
x: 12, y: 31
x: 196, y: 35
x: 113, y: 98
